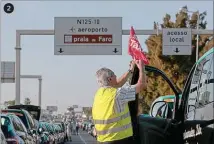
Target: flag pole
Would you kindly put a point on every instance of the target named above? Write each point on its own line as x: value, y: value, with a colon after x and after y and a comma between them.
x: 134, y: 112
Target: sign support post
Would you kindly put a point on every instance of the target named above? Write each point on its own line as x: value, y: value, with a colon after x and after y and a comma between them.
x: 20, y: 33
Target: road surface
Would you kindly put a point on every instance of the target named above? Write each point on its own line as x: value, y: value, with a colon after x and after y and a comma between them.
x: 82, y: 138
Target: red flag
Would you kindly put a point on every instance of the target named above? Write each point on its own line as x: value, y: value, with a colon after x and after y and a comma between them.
x: 135, y: 49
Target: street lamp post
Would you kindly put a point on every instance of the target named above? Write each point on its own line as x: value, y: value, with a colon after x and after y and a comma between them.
x: 197, y: 42
x: 185, y: 10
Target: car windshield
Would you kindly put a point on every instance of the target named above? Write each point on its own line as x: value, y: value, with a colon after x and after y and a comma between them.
x: 7, y: 128
x: 34, y: 114
x: 48, y: 126
x: 36, y: 124
x: 23, y: 118
x: 31, y: 122
x: 42, y: 125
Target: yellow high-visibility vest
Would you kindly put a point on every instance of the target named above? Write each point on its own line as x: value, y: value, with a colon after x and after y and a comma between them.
x: 109, y: 124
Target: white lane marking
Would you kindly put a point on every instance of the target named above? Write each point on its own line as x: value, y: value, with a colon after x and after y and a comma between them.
x: 82, y: 139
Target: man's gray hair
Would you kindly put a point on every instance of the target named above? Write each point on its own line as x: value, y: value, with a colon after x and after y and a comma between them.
x: 102, y: 76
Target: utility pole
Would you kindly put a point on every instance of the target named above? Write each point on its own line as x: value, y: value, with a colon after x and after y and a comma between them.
x: 185, y: 10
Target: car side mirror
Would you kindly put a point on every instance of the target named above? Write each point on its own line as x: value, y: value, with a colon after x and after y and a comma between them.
x: 32, y: 132
x: 40, y: 130
x: 29, y: 132
x: 159, y: 109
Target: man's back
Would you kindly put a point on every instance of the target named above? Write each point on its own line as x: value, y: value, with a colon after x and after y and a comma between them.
x: 112, y: 115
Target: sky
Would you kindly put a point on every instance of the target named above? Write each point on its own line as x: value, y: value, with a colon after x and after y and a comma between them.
x: 70, y: 80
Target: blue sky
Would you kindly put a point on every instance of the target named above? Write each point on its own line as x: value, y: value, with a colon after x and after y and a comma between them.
x: 69, y: 80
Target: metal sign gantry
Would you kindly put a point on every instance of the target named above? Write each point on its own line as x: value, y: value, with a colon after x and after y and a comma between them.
x: 20, y: 33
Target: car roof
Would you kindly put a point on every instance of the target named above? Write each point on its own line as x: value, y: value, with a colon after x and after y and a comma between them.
x: 18, y: 110
x: 5, y: 115
x: 2, y: 114
x: 206, y: 54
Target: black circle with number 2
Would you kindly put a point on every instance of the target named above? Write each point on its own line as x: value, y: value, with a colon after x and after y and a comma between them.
x: 8, y: 8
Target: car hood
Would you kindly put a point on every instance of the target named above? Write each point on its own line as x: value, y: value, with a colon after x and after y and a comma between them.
x: 35, y: 111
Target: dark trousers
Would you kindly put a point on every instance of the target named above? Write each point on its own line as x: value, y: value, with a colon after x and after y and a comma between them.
x: 128, y: 140
x: 77, y: 130
x: 66, y: 137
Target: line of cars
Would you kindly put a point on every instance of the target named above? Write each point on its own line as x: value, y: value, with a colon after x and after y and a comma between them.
x: 20, y: 125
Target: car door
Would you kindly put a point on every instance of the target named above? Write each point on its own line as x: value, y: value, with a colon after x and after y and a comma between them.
x: 199, y: 117
x: 24, y: 130
x: 151, y: 130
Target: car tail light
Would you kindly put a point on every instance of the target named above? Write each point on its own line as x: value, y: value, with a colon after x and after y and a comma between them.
x: 12, y: 141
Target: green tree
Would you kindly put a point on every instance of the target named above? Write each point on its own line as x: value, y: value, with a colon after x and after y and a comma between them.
x: 27, y: 101
x: 9, y: 103
x: 177, y: 68
x: 87, y: 111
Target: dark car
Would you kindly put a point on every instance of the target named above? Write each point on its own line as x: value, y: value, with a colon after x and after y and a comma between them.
x: 62, y: 131
x: 192, y: 118
x: 45, y: 135
x: 14, y: 130
x: 48, y: 131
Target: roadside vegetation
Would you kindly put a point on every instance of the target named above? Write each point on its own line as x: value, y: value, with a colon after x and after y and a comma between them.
x: 176, y: 67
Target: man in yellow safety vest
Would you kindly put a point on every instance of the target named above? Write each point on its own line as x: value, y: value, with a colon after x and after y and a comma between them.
x: 110, y: 109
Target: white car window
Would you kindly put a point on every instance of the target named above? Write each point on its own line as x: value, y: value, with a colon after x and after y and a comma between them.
x: 204, y: 105
x: 200, y: 90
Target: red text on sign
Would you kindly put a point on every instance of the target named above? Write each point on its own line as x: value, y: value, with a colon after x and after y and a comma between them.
x: 81, y: 39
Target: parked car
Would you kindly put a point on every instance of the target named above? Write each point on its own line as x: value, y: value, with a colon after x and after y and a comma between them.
x: 20, y: 128
x: 13, y: 130
x: 46, y: 137
x: 51, y: 132
x: 61, y: 131
x: 26, y: 119
x: 38, y: 136
x: 34, y: 112
x: 56, y: 134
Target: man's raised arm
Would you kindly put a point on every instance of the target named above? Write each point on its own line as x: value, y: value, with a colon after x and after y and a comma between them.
x: 142, y: 83
x: 123, y: 79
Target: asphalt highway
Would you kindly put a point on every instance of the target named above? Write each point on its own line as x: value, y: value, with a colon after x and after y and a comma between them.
x: 82, y: 138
